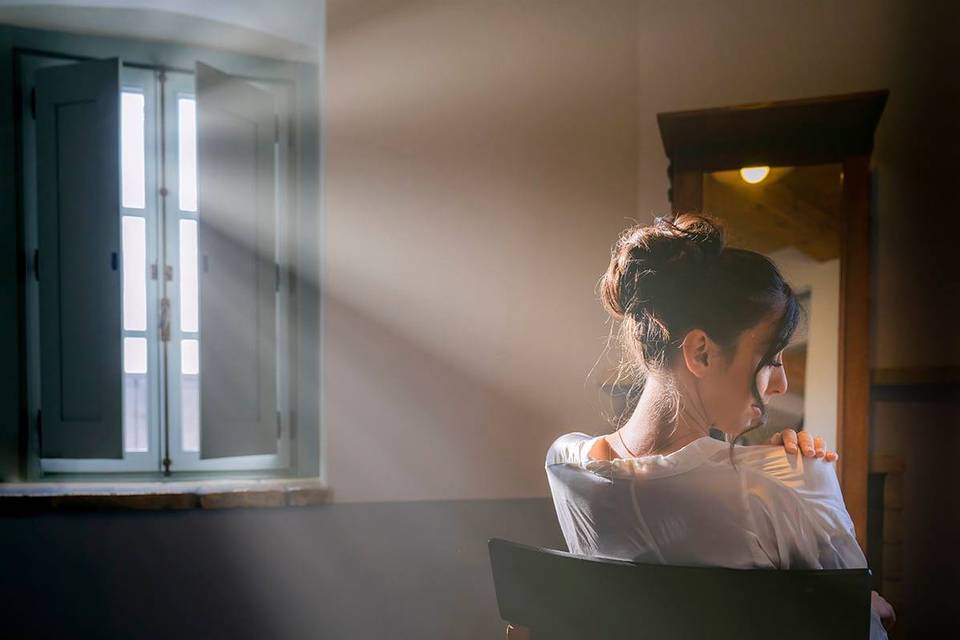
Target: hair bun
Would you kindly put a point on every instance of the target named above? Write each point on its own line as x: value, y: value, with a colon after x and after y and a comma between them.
x: 671, y: 252
x: 704, y: 234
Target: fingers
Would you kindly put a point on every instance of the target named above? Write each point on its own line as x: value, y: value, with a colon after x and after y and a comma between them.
x: 806, y: 444
x: 789, y: 440
x: 818, y: 447
x: 517, y: 632
x: 811, y: 446
x: 884, y: 609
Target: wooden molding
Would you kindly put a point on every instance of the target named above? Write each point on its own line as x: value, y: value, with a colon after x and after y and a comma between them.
x: 789, y: 132
x: 886, y: 463
x: 915, y: 376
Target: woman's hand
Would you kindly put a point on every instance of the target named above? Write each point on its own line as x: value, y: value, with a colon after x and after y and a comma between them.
x: 884, y: 609
x: 811, y: 446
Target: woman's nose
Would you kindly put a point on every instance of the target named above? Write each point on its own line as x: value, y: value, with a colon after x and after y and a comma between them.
x: 778, y: 381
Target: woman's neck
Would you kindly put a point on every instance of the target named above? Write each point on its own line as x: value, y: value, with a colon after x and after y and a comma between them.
x: 650, y: 430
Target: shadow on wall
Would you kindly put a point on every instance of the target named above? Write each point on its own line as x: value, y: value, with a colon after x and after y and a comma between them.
x: 404, y: 422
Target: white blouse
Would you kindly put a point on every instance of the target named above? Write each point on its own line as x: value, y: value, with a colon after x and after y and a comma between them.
x: 691, y: 507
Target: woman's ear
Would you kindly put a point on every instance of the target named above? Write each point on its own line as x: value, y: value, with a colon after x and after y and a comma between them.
x: 697, y: 352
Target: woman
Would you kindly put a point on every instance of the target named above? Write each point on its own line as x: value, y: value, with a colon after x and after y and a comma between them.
x: 702, y: 329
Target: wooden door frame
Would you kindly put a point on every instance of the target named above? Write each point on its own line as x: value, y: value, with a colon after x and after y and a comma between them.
x: 831, y: 129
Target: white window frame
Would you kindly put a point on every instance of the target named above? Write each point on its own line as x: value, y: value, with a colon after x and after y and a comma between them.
x: 175, y: 84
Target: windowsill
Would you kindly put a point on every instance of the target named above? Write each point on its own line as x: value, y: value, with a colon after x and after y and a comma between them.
x: 152, y: 496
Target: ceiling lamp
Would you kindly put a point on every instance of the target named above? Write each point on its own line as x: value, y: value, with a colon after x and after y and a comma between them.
x: 753, y: 175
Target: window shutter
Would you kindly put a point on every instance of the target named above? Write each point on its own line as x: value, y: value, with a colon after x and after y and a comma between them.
x: 236, y: 231
x: 78, y: 205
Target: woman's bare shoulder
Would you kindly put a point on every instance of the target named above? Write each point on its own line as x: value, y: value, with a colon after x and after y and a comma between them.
x: 601, y: 450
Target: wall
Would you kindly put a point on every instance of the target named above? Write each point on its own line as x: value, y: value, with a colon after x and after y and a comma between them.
x: 481, y: 157
x: 358, y: 571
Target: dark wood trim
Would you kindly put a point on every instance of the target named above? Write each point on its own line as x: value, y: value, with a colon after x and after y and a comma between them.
x: 916, y: 384
x: 784, y: 133
x: 686, y: 190
x: 853, y: 397
x: 887, y: 463
x: 915, y: 376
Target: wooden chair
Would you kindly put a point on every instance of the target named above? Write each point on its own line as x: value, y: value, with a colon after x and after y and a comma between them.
x: 555, y: 595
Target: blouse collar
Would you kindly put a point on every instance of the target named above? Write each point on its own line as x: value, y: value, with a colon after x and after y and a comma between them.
x: 683, y: 459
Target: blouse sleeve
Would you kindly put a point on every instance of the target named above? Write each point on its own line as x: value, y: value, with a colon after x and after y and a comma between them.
x: 807, y: 526
x: 799, y: 512
x: 837, y: 546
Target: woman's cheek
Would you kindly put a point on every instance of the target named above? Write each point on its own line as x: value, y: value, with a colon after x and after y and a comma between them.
x: 735, y: 417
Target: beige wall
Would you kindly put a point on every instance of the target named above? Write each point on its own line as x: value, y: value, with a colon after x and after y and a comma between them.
x: 481, y: 158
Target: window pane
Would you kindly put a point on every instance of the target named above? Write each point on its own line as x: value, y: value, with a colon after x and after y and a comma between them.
x: 188, y: 276
x: 135, y: 407
x: 187, y: 143
x: 134, y: 273
x: 190, y: 399
x: 190, y: 394
x: 135, y: 403
x: 190, y: 357
x: 132, y: 149
x: 134, y: 355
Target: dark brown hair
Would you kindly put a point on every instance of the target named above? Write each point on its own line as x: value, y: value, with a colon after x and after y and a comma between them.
x: 677, y: 274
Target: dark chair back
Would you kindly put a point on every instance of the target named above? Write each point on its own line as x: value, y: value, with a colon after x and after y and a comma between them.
x: 559, y: 595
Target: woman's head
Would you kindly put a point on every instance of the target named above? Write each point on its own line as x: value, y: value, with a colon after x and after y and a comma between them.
x: 693, y: 309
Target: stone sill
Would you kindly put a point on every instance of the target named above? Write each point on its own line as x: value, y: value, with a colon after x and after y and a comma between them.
x: 154, y: 496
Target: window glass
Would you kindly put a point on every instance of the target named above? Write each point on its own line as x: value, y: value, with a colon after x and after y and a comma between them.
x: 132, y: 150
x: 134, y: 273
x: 190, y: 393
x: 189, y: 315
x: 187, y: 145
x: 135, y: 402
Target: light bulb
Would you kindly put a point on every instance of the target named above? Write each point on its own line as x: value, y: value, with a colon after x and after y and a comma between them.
x: 753, y: 175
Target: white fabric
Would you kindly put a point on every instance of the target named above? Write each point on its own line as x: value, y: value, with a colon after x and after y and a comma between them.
x: 691, y: 507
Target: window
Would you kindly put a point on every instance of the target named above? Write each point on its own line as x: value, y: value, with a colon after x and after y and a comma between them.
x: 161, y: 312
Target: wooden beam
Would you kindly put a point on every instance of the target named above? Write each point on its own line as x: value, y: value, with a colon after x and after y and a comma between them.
x: 686, y: 190
x: 853, y: 423
x: 784, y: 133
